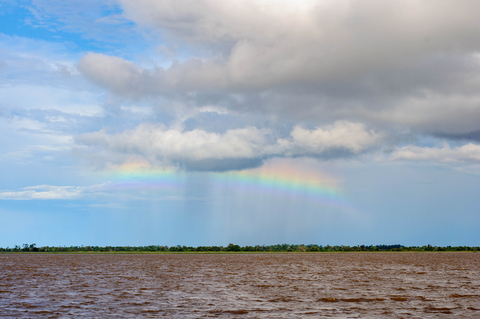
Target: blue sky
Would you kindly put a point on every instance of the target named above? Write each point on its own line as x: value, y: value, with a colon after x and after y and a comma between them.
x: 255, y: 122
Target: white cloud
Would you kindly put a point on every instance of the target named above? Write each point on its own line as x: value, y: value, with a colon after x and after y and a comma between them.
x: 95, y: 20
x: 53, y: 192
x: 105, y: 190
x: 23, y: 138
x: 353, y: 137
x: 466, y: 153
x: 158, y: 144
x: 43, y: 75
x: 42, y: 192
x: 37, y: 97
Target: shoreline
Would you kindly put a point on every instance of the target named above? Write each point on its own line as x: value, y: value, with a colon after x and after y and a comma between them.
x: 216, y: 253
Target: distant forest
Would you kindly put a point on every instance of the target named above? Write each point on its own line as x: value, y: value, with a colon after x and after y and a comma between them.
x: 235, y: 248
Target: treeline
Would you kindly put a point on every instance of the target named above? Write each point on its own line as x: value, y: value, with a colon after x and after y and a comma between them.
x: 236, y: 248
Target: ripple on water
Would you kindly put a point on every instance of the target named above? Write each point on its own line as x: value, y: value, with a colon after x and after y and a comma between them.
x: 373, y: 285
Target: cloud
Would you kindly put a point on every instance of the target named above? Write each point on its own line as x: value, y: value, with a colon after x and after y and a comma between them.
x: 469, y: 153
x: 34, y: 61
x: 53, y: 192
x: 352, y: 137
x: 412, y: 64
x: 99, y: 22
x: 235, y: 149
x: 105, y: 190
x: 43, y: 192
x: 119, y: 75
x: 473, y: 136
x: 42, y: 75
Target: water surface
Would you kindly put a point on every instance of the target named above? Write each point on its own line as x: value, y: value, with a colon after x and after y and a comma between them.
x: 331, y: 285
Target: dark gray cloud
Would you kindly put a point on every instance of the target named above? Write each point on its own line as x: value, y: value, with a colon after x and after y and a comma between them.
x: 469, y: 136
x: 221, y: 165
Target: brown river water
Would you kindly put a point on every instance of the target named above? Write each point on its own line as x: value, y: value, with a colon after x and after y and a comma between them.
x: 315, y: 285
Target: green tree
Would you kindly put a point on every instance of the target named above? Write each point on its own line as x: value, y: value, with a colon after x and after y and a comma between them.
x: 232, y: 247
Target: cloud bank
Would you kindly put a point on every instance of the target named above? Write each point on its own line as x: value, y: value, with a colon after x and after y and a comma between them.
x: 407, y: 63
x: 469, y: 153
x: 309, y: 78
x: 240, y: 148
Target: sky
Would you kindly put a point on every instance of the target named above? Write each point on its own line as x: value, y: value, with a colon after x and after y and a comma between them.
x: 254, y: 122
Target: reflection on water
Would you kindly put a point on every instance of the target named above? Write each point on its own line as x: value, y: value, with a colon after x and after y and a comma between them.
x: 353, y: 285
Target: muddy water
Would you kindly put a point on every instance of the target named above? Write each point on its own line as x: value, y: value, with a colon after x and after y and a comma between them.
x: 353, y: 285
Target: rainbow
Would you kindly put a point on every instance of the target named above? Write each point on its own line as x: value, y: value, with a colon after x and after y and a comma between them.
x: 302, y: 185
x: 139, y: 175
x: 272, y: 179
